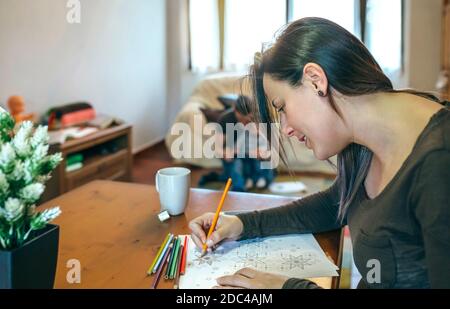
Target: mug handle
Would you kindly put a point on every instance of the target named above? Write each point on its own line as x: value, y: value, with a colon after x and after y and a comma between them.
x: 156, y: 182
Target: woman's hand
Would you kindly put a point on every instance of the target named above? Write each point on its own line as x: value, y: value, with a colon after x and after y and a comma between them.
x: 227, y: 227
x: 247, y: 278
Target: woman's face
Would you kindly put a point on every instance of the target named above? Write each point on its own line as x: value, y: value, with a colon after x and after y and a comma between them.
x: 308, y: 117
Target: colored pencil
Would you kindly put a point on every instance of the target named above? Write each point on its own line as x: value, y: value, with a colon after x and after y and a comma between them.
x: 169, y: 263
x: 160, y: 270
x: 159, y: 262
x: 216, y: 216
x: 178, y: 268
x: 163, y: 245
x: 184, y: 257
x: 174, y: 261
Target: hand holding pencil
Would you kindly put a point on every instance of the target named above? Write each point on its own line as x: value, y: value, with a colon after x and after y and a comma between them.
x: 226, y: 228
x: 172, y: 253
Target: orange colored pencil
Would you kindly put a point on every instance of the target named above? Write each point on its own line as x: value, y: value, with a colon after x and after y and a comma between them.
x: 216, y: 216
x: 183, y: 258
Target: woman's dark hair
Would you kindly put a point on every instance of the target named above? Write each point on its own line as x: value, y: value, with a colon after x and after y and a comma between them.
x: 350, y: 69
x: 244, y: 105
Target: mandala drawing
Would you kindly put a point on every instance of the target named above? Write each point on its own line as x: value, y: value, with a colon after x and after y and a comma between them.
x: 298, y: 256
x: 291, y: 262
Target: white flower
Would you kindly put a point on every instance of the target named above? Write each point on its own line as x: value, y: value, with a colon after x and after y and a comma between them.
x: 55, y: 159
x: 40, y: 136
x: 32, y: 193
x: 28, y: 171
x: 13, y: 209
x: 41, y: 219
x: 40, y: 152
x: 43, y: 178
x: 7, y: 157
x: 50, y: 214
x: 18, y: 172
x: 4, y: 184
x: 21, y: 140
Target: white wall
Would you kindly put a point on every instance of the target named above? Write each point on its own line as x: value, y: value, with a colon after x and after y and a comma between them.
x: 115, y: 58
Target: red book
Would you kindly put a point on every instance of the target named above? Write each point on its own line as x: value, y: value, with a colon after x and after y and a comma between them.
x: 78, y: 117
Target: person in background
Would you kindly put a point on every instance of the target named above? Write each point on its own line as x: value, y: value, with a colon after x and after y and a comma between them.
x: 241, y: 156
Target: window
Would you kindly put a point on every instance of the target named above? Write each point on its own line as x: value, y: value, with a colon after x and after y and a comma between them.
x: 342, y: 12
x: 248, y: 24
x: 225, y: 34
x: 384, y: 34
x: 204, y: 38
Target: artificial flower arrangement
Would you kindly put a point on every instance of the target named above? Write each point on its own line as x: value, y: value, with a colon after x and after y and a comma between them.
x: 24, y: 168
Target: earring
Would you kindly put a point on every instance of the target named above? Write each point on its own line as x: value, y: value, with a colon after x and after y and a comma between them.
x: 320, y: 92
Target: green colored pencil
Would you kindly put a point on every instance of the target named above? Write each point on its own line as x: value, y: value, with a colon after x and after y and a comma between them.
x: 170, y: 258
x: 174, y: 261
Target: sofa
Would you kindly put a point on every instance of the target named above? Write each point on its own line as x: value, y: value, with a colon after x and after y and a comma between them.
x: 204, y: 96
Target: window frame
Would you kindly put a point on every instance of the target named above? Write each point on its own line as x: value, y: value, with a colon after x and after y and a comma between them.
x: 360, y: 19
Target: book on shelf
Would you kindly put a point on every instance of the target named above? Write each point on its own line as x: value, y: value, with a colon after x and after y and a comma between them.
x: 74, y: 167
x: 103, y: 121
x: 61, y: 136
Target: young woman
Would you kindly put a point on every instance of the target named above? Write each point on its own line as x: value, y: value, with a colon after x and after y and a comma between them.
x: 393, y: 148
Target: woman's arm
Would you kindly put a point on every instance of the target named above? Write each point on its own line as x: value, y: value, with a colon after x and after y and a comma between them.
x: 294, y: 283
x: 431, y: 201
x: 312, y: 214
x: 315, y: 213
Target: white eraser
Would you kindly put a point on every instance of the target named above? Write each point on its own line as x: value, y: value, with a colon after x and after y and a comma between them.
x: 163, y: 216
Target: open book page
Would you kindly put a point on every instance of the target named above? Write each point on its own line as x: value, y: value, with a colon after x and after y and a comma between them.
x: 298, y: 256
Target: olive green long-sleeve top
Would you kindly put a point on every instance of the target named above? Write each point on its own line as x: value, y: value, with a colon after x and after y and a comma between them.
x: 406, y: 228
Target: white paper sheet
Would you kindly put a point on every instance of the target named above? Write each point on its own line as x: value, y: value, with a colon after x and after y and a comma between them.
x: 298, y: 256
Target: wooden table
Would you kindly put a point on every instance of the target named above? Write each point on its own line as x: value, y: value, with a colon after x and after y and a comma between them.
x: 113, y: 230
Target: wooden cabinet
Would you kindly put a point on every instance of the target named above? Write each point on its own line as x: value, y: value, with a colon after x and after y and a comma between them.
x: 107, y: 155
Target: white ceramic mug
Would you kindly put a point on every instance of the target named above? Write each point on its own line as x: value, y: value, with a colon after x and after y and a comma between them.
x: 173, y: 185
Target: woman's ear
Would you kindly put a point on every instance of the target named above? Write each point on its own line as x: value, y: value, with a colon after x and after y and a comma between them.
x: 315, y: 75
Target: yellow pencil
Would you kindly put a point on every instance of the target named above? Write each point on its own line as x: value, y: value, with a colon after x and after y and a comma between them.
x: 216, y: 216
x: 158, y: 254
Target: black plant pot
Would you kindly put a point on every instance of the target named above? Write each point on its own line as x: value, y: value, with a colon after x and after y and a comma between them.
x: 32, y: 266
